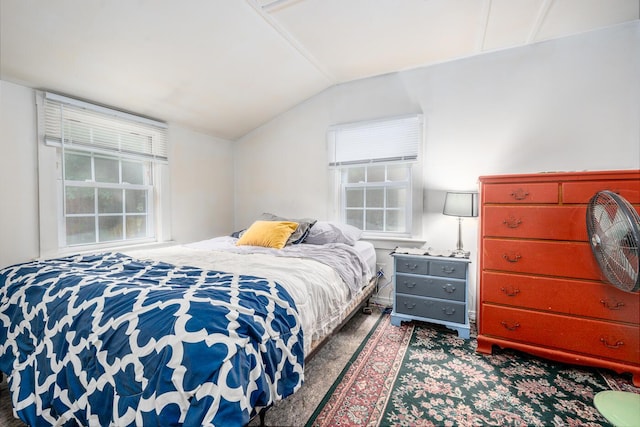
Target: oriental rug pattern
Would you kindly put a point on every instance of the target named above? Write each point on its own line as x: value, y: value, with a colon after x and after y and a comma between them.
x: 424, y: 375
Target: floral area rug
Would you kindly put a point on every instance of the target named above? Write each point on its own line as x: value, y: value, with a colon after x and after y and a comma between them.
x: 424, y: 375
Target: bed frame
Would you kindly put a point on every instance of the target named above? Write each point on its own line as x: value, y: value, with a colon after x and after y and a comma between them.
x: 361, y: 302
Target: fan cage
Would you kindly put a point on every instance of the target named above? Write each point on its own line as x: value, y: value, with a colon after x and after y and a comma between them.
x: 613, y: 226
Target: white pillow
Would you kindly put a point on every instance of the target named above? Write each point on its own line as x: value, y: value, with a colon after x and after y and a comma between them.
x: 333, y: 232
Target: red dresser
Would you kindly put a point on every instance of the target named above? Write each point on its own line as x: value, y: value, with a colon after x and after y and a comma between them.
x: 540, y: 287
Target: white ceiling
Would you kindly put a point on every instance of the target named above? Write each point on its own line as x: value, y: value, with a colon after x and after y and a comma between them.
x: 224, y: 67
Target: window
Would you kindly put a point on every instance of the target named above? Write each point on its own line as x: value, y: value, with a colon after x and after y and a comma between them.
x: 377, y: 198
x: 106, y: 199
x: 376, y: 164
x: 108, y: 163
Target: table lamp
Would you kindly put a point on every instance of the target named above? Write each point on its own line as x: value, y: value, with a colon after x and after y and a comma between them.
x: 460, y: 204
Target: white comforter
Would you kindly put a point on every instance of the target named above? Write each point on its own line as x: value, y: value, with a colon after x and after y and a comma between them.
x: 318, y: 290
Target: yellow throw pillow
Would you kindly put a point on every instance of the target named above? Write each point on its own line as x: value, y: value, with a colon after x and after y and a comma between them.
x: 270, y: 234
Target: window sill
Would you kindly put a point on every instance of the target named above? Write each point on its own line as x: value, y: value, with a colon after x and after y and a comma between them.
x: 391, y: 242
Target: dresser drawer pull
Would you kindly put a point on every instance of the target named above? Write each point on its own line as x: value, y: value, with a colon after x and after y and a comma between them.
x: 411, y: 266
x: 448, y: 270
x: 519, y: 194
x: 512, y: 222
x: 615, y: 346
x: 410, y: 285
x: 512, y: 258
x: 449, y: 288
x: 511, y: 327
x: 510, y: 292
x: 618, y: 305
x: 449, y: 311
x: 410, y: 306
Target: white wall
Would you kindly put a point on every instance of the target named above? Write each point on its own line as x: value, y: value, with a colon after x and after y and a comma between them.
x: 200, y: 181
x: 568, y: 104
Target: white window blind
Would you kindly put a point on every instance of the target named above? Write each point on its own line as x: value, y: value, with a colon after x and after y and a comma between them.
x: 82, y: 126
x: 395, y: 139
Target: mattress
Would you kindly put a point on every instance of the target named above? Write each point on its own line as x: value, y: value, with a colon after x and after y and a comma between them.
x: 319, y: 290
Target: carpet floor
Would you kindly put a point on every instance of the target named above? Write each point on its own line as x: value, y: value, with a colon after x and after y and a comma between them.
x: 424, y: 375
x: 372, y: 373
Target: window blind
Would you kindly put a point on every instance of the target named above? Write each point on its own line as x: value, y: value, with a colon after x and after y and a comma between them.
x: 395, y: 139
x: 83, y: 126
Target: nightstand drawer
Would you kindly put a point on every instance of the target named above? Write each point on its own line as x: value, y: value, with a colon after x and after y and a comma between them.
x: 413, y: 265
x: 434, y: 287
x: 430, y: 308
x: 452, y: 269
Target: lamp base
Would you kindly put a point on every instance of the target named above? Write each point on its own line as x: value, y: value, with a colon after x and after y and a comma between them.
x: 459, y: 253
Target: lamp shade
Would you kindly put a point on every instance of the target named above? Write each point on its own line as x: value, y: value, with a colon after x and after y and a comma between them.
x: 461, y: 204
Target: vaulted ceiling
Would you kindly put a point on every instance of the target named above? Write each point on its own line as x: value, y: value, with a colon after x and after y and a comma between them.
x: 224, y: 67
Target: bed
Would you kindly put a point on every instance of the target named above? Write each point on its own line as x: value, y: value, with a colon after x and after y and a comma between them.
x: 208, y: 333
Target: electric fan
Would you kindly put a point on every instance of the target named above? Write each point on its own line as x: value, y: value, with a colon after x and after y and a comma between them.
x: 613, y: 226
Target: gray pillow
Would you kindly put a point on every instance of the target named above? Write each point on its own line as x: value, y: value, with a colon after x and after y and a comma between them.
x: 298, y: 236
x: 333, y: 232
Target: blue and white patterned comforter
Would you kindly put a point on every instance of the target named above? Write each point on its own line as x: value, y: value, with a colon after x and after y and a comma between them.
x: 109, y: 340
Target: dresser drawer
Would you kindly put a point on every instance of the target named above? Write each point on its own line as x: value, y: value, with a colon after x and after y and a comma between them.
x: 566, y: 259
x: 530, y: 193
x: 434, y: 287
x: 538, y: 222
x: 413, y: 265
x: 582, y: 192
x: 431, y: 308
x: 574, y: 297
x: 451, y: 269
x: 615, y: 341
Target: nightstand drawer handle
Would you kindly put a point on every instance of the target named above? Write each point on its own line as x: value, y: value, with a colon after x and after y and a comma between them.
x: 410, y: 285
x: 512, y: 258
x: 512, y: 222
x: 615, y: 346
x: 410, y: 306
x: 610, y: 306
x: 448, y: 270
x: 449, y: 288
x: 511, y: 327
x: 519, y: 194
x: 449, y: 311
x: 411, y: 266
x: 510, y: 292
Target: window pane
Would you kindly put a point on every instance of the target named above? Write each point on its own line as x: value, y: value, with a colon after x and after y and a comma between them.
x: 81, y: 230
x: 77, y: 167
x: 396, y: 221
x: 107, y: 170
x: 109, y: 200
x: 355, y: 197
x: 375, y: 220
x: 110, y: 228
x: 375, y: 198
x: 136, y: 201
x: 136, y: 226
x: 355, y: 218
x: 396, y: 197
x: 133, y: 172
x: 355, y: 175
x: 375, y: 174
x: 79, y: 200
x: 397, y: 172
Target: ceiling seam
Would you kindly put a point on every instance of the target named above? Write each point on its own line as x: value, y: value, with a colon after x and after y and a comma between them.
x: 483, y: 25
x: 537, y: 24
x: 299, y: 47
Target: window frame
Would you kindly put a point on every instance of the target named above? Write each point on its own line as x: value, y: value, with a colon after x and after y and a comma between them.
x: 385, y: 185
x: 409, y: 155
x: 96, y: 185
x: 51, y: 182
